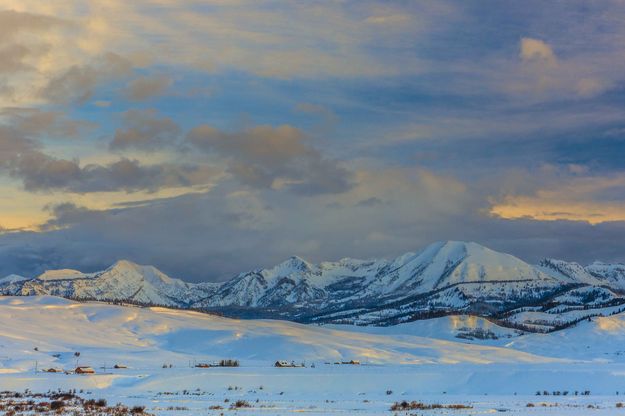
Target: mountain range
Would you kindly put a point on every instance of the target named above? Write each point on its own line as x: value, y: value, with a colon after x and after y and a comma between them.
x: 445, y: 278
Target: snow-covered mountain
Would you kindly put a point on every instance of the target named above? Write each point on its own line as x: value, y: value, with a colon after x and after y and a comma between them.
x: 445, y: 277
x: 123, y: 281
x: 612, y: 275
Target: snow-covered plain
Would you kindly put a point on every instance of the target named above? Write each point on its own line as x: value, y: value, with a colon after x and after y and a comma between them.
x: 423, y: 361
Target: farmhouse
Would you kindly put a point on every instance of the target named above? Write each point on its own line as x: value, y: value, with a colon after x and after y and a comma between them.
x: 53, y: 370
x: 283, y: 363
x: 84, y: 370
x: 119, y: 366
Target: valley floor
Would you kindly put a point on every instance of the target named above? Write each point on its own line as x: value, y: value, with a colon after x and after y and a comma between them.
x: 422, y: 361
x: 330, y: 390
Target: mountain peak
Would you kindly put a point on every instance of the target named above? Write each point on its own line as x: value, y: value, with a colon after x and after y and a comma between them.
x: 124, y: 265
x: 297, y: 259
x: 456, y: 243
x: 468, y: 247
x: 133, y: 270
x: 295, y: 263
x: 447, y: 263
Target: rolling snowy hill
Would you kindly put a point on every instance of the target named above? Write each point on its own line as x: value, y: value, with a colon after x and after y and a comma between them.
x: 427, y: 360
x: 138, y: 336
x: 445, y: 278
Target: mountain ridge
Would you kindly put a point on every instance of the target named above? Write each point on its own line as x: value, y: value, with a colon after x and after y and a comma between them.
x: 445, y: 277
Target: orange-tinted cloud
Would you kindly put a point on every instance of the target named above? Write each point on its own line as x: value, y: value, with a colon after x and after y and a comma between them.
x: 591, y: 199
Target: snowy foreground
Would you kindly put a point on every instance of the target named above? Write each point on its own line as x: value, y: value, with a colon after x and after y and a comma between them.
x: 422, y: 361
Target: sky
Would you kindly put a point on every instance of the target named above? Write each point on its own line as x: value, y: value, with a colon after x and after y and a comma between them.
x: 213, y: 137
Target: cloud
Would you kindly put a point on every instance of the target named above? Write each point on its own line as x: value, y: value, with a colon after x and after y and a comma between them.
x: 577, y: 74
x: 13, y: 58
x: 536, y: 50
x: 34, y: 122
x: 260, y: 156
x: 455, y: 123
x: 77, y: 84
x: 12, y: 145
x: 22, y: 158
x: 593, y: 199
x: 239, y: 224
x: 296, y: 40
x: 24, y: 45
x: 328, y: 118
x: 588, y: 87
x: 67, y: 213
x: 273, y: 157
x: 146, y: 87
x: 393, y: 19
x: 370, y: 202
x: 316, y: 109
x: 216, y: 234
x: 40, y: 172
x: 145, y: 130
x: 14, y: 23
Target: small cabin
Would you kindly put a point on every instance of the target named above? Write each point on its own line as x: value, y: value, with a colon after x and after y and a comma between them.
x: 53, y: 370
x: 203, y: 365
x: 352, y: 362
x: 118, y: 366
x: 84, y: 370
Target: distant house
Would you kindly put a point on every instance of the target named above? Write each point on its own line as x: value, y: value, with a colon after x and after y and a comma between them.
x: 203, y: 365
x: 53, y: 370
x: 283, y: 363
x: 119, y: 366
x: 352, y: 362
x: 84, y: 370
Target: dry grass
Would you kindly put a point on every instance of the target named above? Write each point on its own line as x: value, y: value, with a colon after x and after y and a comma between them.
x: 240, y: 404
x: 56, y: 403
x: 405, y: 405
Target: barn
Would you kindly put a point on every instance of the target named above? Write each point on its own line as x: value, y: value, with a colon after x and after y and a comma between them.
x: 84, y: 370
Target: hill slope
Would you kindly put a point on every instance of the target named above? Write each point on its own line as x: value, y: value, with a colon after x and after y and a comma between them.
x: 142, y: 337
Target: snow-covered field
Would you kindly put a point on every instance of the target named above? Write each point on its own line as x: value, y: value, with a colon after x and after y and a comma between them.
x: 421, y: 361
